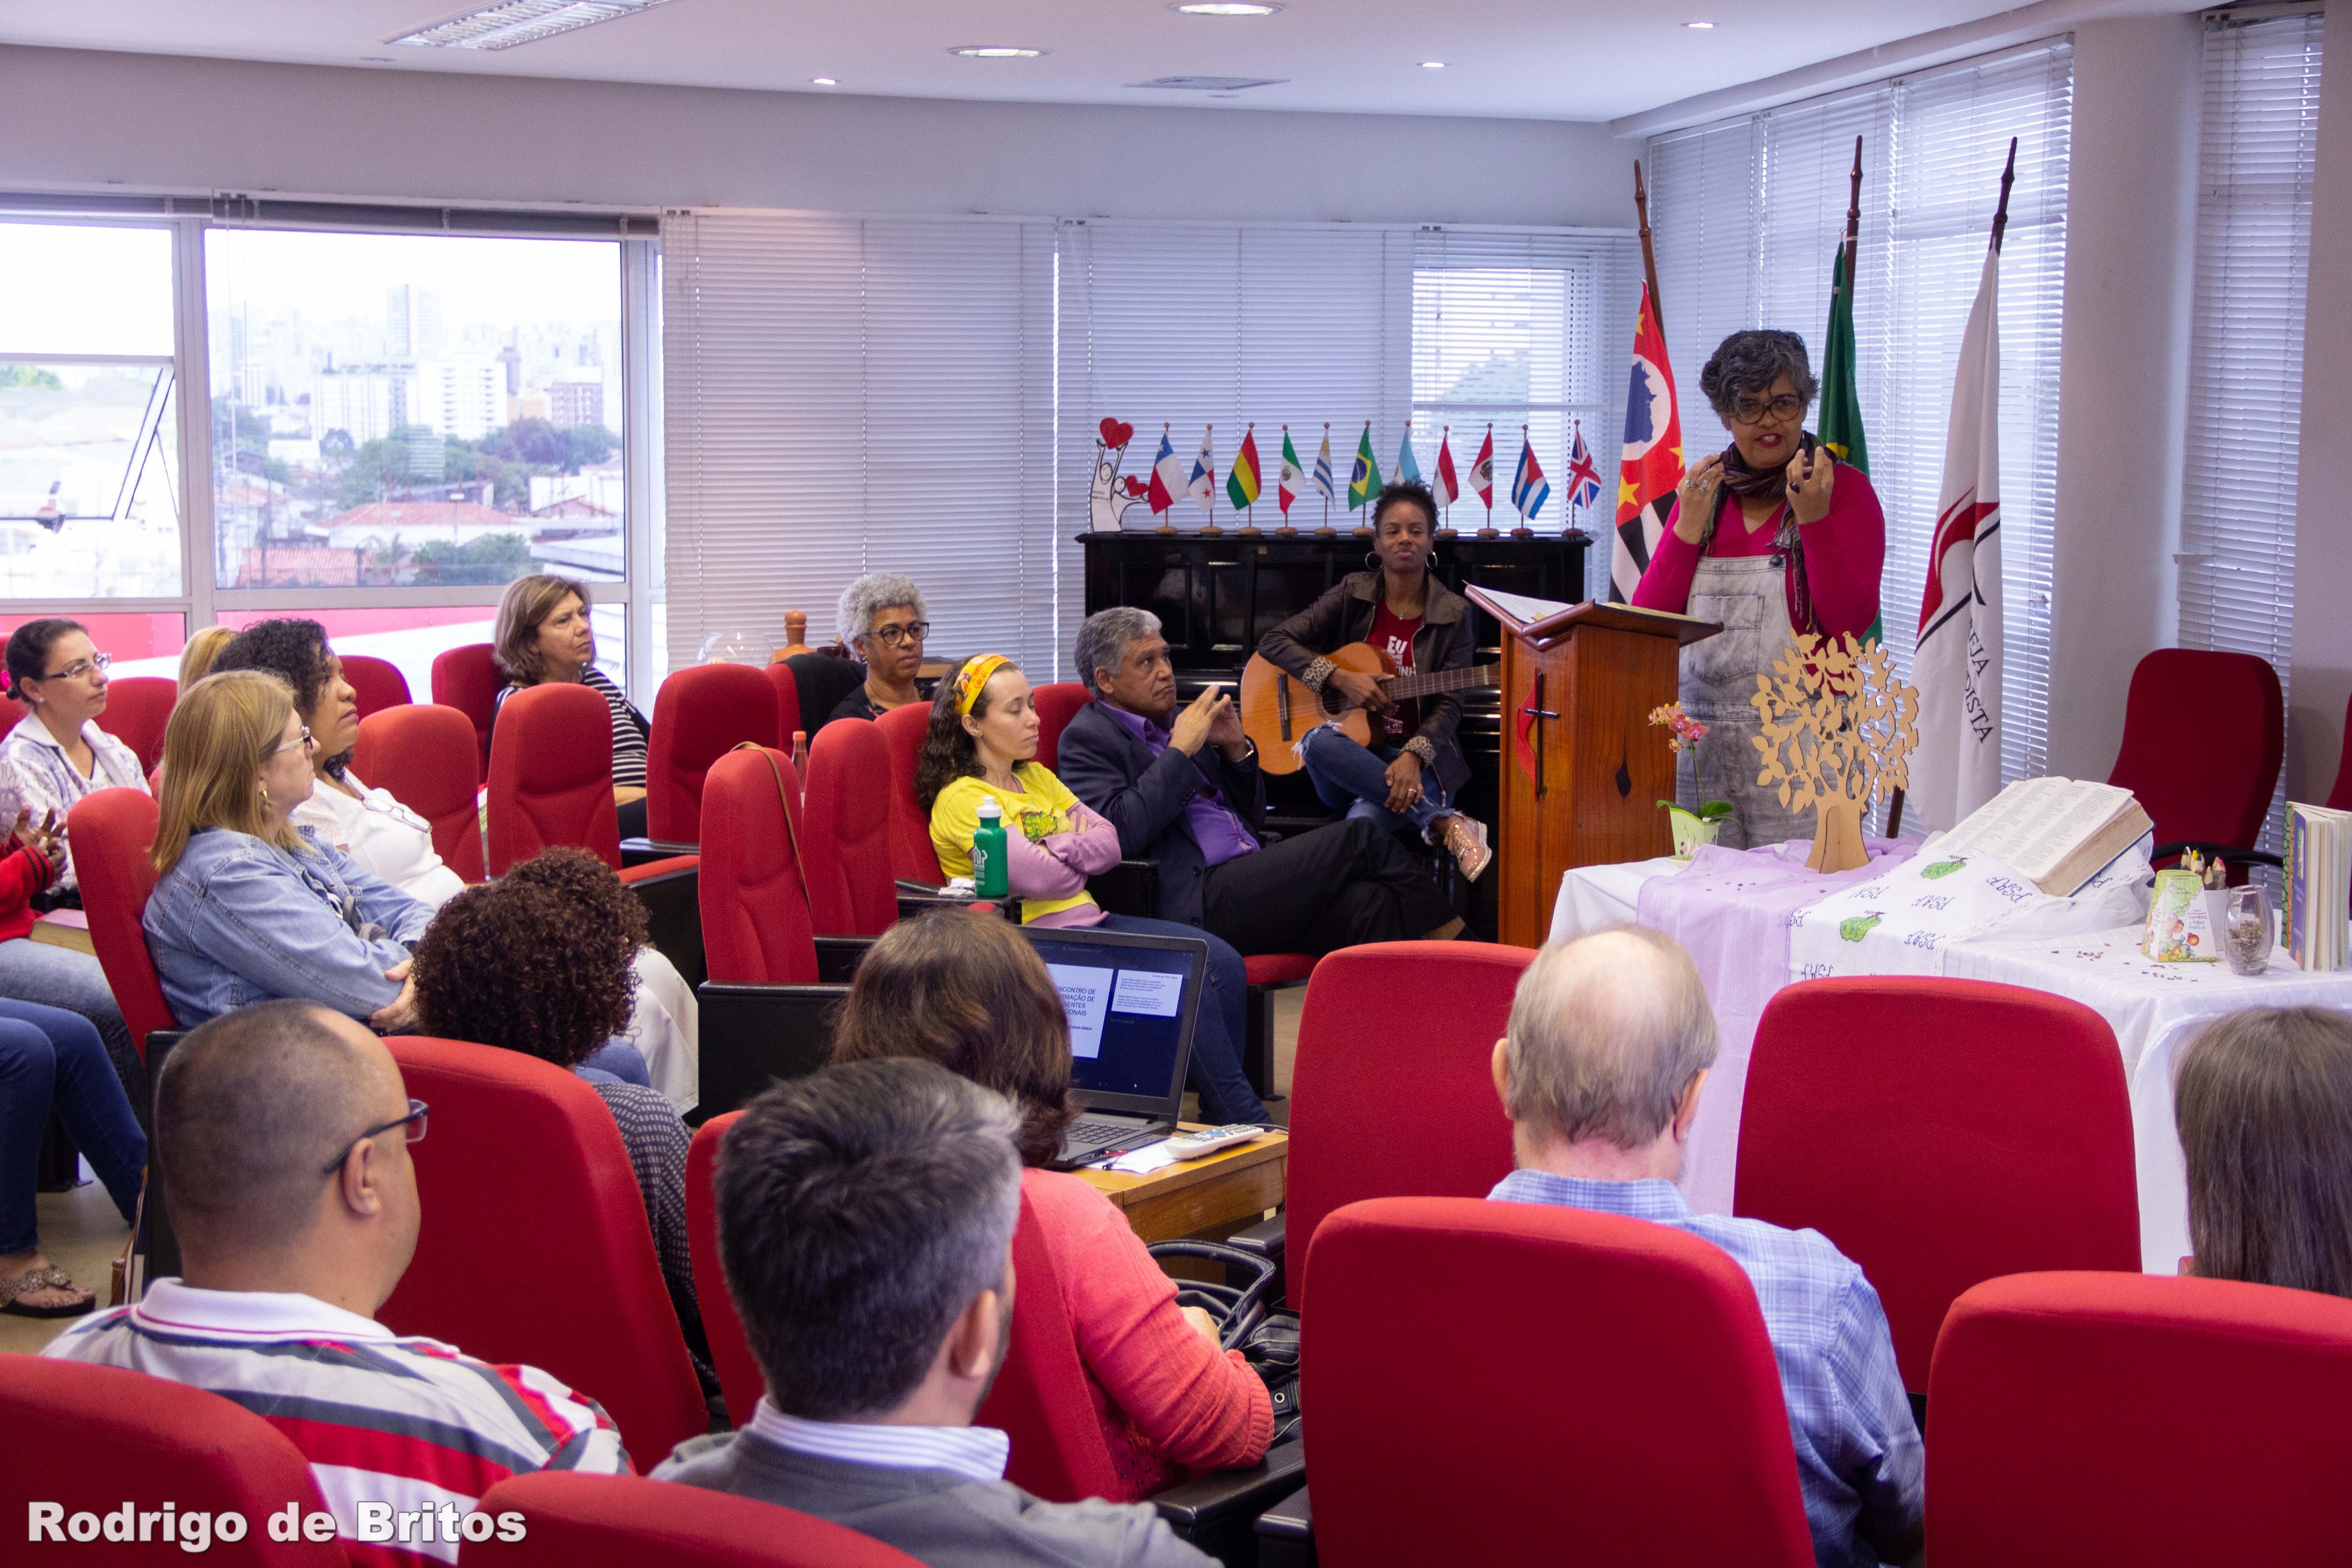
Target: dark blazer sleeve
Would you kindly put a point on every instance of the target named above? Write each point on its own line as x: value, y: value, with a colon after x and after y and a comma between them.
x: 1099, y: 764
x: 1440, y: 715
x: 1308, y: 635
x: 1244, y: 786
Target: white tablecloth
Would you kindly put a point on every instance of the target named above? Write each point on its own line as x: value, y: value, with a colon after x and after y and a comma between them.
x: 2153, y: 1009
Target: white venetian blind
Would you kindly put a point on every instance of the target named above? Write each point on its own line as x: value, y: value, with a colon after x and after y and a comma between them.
x: 1189, y: 325
x: 1530, y: 330
x: 1746, y: 218
x: 2258, y: 151
x: 847, y: 395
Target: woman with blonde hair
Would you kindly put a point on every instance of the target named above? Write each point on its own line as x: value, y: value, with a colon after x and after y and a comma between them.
x: 196, y: 658
x: 248, y: 906
x: 542, y: 634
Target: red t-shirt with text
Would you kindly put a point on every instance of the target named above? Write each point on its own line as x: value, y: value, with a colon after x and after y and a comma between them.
x: 1393, y: 637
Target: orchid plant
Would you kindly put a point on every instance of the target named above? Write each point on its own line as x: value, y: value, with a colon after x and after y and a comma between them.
x: 1683, y: 733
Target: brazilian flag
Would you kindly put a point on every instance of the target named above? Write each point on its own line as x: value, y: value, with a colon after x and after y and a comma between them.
x: 1841, y: 418
x: 1364, y: 479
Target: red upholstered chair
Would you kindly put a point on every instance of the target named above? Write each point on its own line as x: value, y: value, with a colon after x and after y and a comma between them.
x: 764, y: 1014
x: 377, y: 682
x: 13, y: 711
x: 788, y: 703
x: 137, y: 709
x: 911, y: 854
x: 1603, y: 1346
x: 552, y: 781
x: 1056, y: 703
x: 2339, y: 796
x: 424, y: 754
x: 1392, y: 1094
x: 1941, y: 1133
x: 112, y: 830
x: 2141, y: 1419
x: 468, y: 678
x: 699, y: 713
x: 86, y: 1437
x: 627, y: 1522
x: 849, y: 821
x: 534, y: 1246
x: 2216, y: 792
x: 739, y: 1377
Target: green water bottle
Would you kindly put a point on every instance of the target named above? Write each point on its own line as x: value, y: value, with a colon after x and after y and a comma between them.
x: 989, y: 875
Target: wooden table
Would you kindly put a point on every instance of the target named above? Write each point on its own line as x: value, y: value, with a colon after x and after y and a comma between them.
x: 1210, y: 1198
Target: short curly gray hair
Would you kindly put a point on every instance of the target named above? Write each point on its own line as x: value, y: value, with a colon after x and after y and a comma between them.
x: 1104, y: 637
x: 1745, y: 363
x: 869, y: 596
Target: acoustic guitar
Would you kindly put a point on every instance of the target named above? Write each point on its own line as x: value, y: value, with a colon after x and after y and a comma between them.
x: 1278, y: 708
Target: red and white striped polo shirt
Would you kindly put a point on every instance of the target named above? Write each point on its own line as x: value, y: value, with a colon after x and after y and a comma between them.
x: 407, y: 1422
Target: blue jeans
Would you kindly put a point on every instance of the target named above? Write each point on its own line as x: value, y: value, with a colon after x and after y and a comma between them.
x: 50, y: 1058
x: 1353, y: 779
x: 61, y: 977
x: 1217, y: 1073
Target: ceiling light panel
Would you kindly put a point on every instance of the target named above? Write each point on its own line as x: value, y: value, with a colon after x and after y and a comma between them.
x: 995, y: 52
x: 1211, y: 83
x: 1226, y: 8
x: 518, y: 22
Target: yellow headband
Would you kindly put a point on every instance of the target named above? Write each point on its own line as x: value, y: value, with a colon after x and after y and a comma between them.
x: 972, y: 679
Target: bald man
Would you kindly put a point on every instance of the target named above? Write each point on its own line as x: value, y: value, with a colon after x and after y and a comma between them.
x: 1607, y: 1051
x: 284, y: 1131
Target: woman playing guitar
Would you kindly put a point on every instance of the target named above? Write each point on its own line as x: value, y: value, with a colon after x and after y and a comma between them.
x: 1414, y: 766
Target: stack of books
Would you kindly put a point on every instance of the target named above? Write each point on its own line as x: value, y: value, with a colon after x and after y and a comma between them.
x: 2318, y: 884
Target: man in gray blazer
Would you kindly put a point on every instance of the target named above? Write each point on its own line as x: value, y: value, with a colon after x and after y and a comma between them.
x: 866, y: 1218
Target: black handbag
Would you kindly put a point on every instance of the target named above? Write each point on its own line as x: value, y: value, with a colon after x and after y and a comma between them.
x: 1268, y: 1340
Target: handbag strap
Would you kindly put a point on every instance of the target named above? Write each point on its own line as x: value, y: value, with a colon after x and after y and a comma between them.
x: 792, y: 827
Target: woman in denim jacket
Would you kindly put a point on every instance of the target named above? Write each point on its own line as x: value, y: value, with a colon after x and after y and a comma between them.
x: 248, y: 906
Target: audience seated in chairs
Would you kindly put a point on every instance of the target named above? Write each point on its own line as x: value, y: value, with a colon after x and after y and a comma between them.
x: 866, y: 1218
x: 982, y: 738
x: 538, y: 963
x: 967, y: 992
x: 284, y: 1130
x: 51, y: 1058
x: 1608, y: 1045
x: 394, y: 845
x: 883, y: 622
x: 1183, y: 789
x: 247, y: 907
x: 2263, y: 1101
x: 56, y: 755
x: 542, y: 633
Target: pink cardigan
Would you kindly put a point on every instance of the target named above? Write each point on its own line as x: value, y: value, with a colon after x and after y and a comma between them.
x: 1169, y: 1401
x: 1843, y: 555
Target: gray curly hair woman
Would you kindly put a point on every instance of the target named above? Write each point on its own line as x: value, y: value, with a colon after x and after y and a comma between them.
x: 870, y: 595
x: 1746, y: 364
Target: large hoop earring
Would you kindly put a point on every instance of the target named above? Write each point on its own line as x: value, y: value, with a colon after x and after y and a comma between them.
x: 1371, y: 560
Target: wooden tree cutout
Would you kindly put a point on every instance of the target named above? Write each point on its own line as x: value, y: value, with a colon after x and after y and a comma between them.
x: 1838, y: 731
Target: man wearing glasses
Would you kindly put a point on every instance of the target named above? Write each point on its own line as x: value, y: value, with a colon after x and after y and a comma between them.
x: 883, y: 624
x: 294, y: 1199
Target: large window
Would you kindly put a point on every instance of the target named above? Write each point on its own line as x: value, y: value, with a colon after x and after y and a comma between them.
x: 2259, y: 147
x: 1746, y: 218
x: 387, y: 426
x: 1526, y: 331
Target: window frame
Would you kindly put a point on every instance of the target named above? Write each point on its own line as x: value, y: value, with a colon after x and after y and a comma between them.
x: 202, y: 597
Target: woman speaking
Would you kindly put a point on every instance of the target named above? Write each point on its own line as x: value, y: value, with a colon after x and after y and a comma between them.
x: 1769, y: 537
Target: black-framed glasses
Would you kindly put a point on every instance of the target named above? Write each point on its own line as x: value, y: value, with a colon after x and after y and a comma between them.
x: 892, y: 636
x: 413, y: 1121
x: 83, y: 669
x: 1755, y: 411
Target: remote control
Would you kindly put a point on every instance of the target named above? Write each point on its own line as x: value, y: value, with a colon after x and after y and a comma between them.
x: 1193, y: 1145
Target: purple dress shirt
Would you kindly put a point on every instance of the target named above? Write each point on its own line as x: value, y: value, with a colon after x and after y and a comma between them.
x: 1217, y: 827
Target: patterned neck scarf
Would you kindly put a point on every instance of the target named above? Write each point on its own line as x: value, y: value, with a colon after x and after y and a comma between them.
x: 1772, y: 485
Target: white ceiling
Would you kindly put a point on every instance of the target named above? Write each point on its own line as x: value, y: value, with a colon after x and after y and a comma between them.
x: 1547, y: 59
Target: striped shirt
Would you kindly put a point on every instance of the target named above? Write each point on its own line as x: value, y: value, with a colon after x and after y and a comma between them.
x: 629, y: 728
x: 1859, y: 1461
x: 975, y: 1453
x: 383, y: 1417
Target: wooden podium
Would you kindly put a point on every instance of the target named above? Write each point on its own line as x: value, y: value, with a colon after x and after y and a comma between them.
x: 1578, y: 688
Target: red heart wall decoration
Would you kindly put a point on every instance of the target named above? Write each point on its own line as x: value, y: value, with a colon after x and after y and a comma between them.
x: 1116, y: 434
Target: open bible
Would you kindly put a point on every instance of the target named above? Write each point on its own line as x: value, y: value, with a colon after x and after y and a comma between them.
x: 2058, y: 833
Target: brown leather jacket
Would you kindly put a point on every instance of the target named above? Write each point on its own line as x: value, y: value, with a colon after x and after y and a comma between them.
x: 1344, y: 615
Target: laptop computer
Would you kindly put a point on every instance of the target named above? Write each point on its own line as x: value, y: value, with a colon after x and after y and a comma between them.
x: 1133, y: 1003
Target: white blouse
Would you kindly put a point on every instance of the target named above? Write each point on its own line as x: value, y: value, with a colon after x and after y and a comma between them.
x: 34, y: 773
x: 391, y: 842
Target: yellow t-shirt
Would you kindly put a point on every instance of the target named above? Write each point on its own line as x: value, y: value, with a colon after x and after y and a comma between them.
x: 1040, y: 809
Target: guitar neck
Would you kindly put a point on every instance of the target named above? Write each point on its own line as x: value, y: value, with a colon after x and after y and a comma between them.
x: 1404, y: 687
